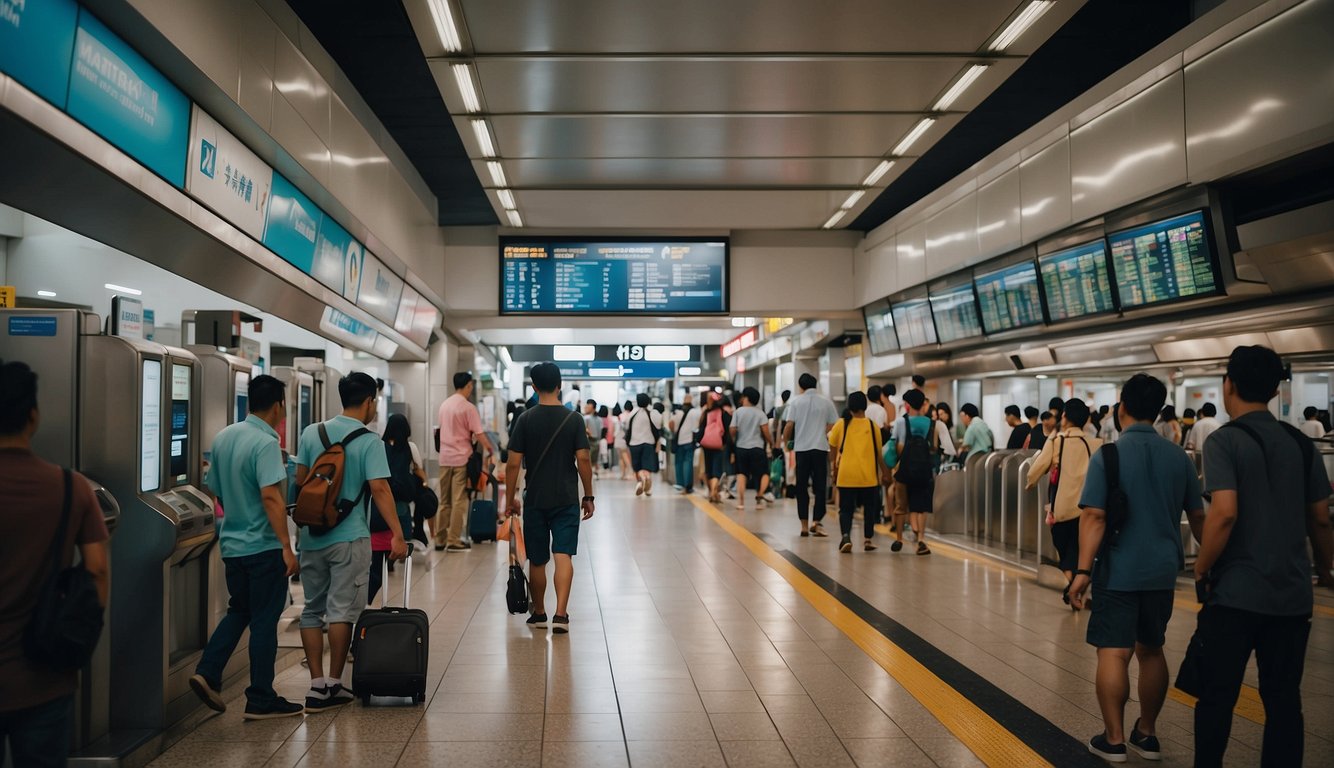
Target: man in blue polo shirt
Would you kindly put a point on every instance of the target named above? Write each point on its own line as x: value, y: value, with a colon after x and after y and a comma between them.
x: 1135, y: 577
x: 246, y: 477
x: 335, y: 566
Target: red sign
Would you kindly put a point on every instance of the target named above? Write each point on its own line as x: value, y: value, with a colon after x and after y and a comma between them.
x: 744, y: 341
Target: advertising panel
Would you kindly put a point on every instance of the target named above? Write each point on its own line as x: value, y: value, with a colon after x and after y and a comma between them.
x: 292, y: 224
x: 226, y: 176
x: 37, y: 43
x: 381, y: 289
x: 338, y: 259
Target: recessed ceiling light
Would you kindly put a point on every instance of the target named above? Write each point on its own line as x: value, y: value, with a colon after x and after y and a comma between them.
x: 835, y: 219
x: 853, y: 198
x: 483, y: 136
x: 507, y: 199
x: 1021, y: 24
x: 47, y: 294
x: 913, y: 135
x: 689, y: 370
x: 960, y: 85
x: 515, y: 219
x: 497, y: 173
x: 878, y: 173
x: 443, y: 16
x: 123, y: 289
x: 463, y: 77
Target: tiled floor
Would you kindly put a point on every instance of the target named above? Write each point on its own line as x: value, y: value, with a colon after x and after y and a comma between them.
x: 688, y: 650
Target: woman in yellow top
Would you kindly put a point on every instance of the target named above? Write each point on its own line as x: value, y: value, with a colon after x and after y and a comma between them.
x: 1066, y: 456
x: 858, y: 464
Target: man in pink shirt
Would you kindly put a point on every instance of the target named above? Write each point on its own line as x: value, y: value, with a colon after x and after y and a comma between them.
x: 460, y: 425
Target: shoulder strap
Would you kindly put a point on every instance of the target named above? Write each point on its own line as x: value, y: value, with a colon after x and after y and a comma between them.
x: 554, y: 434
x: 1307, y: 447
x: 58, y: 545
x: 1111, y: 464
x: 324, y: 436
x: 353, y: 435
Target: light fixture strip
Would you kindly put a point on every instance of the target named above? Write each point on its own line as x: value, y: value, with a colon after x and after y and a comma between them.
x: 878, y: 173
x: 497, y: 173
x: 515, y: 219
x: 123, y: 289
x: 952, y: 95
x: 916, y: 133
x: 467, y: 89
x: 853, y: 199
x: 445, y: 27
x: 507, y: 199
x: 1020, y: 25
x: 835, y: 219
x: 482, y: 133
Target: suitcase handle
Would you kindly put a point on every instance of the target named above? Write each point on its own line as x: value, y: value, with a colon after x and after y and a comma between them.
x: 407, y: 579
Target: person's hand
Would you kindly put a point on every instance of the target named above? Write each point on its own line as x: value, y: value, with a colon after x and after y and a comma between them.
x: 290, y: 562
x: 587, y: 506
x: 513, y: 507
x: 1078, y: 587
x: 398, y: 549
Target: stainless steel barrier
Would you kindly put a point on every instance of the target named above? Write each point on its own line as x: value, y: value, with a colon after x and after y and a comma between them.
x: 1012, y: 484
x: 993, y: 521
x: 949, y: 502
x: 973, y: 494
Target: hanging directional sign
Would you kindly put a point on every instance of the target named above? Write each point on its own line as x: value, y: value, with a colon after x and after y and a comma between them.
x: 615, y: 369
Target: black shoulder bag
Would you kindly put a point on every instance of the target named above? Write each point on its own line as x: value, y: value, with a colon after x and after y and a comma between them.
x: 1117, y: 504
x: 67, y: 622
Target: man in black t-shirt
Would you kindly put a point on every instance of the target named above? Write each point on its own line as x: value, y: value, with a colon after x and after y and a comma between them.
x: 551, y: 443
x: 1019, y: 429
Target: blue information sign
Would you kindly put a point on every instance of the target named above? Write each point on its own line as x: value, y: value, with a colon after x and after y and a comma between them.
x: 338, y: 259
x: 36, y: 44
x: 292, y: 225
x: 118, y: 94
x: 27, y: 325
x: 618, y: 369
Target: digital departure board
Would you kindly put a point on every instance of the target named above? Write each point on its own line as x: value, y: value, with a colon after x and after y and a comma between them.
x: 1009, y: 298
x: 880, y: 328
x: 627, y: 277
x: 1076, y: 282
x: 912, y: 322
x: 955, y: 311
x: 1164, y: 261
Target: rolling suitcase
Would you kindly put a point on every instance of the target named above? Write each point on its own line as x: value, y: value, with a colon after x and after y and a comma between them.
x: 391, y: 646
x: 484, y: 516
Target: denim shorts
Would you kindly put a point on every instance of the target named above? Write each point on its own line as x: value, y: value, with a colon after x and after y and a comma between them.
x: 1122, y: 619
x: 551, y: 530
x: 335, y: 579
x: 644, y: 457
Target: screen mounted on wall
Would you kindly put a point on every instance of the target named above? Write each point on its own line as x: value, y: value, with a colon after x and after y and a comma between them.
x: 1008, y: 298
x: 955, y: 310
x: 1164, y: 261
x: 880, y: 328
x: 1076, y: 282
x: 912, y: 322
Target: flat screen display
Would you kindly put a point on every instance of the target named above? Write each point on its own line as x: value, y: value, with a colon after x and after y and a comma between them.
x: 1076, y: 282
x: 1009, y: 298
x: 303, y: 412
x: 1164, y: 261
x: 180, y: 424
x: 658, y: 277
x: 912, y: 323
x: 955, y: 311
x: 880, y: 328
x: 242, y: 395
x: 150, y: 427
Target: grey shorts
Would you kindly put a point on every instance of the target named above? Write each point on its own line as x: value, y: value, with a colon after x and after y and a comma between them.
x: 334, y: 579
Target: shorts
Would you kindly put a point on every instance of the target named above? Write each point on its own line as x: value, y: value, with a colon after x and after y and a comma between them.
x: 753, y: 463
x: 715, y: 463
x: 1122, y: 619
x: 551, y: 530
x: 334, y: 579
x: 644, y: 457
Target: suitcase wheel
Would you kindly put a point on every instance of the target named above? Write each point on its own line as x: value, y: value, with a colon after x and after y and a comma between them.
x: 421, y: 698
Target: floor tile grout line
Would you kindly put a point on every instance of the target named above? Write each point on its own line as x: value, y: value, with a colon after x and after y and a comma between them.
x: 597, y: 596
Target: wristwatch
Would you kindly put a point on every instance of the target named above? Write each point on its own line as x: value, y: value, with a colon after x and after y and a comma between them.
x: 1083, y: 572
x: 588, y: 498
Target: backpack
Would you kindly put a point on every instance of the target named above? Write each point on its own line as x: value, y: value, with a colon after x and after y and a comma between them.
x: 67, y: 622
x: 317, y: 504
x: 915, y: 465
x: 1118, y: 504
x: 401, y: 479
x: 712, y: 440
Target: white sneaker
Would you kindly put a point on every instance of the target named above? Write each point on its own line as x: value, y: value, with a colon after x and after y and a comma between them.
x: 639, y: 488
x: 769, y: 497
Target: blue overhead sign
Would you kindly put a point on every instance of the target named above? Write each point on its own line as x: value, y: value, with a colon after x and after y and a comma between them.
x: 36, y: 44
x: 292, y: 225
x: 118, y: 94
x: 617, y: 369
x: 338, y: 259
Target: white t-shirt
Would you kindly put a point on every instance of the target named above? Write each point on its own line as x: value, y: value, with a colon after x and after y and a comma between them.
x: 638, y: 426
x: 876, y: 413
x: 1312, y: 428
x: 1200, y: 431
x: 687, y: 425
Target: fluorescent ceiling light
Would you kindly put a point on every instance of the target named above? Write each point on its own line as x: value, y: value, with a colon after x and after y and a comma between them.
x: 689, y: 370
x: 483, y: 135
x: 123, y: 289
x: 742, y: 322
x: 507, y: 199
x: 667, y: 353
x: 515, y: 219
x: 463, y: 76
x: 835, y: 219
x: 969, y: 75
x: 878, y: 173
x: 47, y: 294
x: 443, y: 16
x: 1021, y: 24
x: 913, y: 135
x: 853, y: 198
x: 497, y: 173
x: 574, y: 353
x: 1042, y: 376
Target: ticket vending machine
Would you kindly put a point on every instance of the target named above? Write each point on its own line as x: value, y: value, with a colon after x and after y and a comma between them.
x: 328, y: 403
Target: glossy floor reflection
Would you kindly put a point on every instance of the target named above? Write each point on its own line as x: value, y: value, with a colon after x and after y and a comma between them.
x: 688, y: 649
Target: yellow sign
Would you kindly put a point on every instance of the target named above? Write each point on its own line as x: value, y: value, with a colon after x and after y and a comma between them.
x: 8, y: 296
x: 776, y: 324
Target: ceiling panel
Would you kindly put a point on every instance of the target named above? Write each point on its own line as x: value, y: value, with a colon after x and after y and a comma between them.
x: 741, y: 26
x: 693, y: 172
x: 718, y: 85
x: 675, y: 209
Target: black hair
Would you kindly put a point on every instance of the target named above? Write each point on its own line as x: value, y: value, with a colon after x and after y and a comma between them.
x: 1076, y: 412
x: 264, y: 392
x: 628, y: 406
x: 1104, y: 409
x: 462, y: 379
x: 397, y: 430
x: 603, y: 412
x: 1013, y: 410
x: 659, y: 407
x: 1168, y: 413
x: 355, y: 389
x: 592, y: 402
x: 1143, y: 396
x: 787, y: 395
x: 545, y: 377
x: 1310, y: 412
x: 1056, y: 404
x: 752, y: 394
x: 856, y: 402
x: 379, y: 384
x: 944, y: 408
x: 889, y: 390
x: 1209, y: 409
x: 1031, y: 413
x: 18, y: 396
x: 616, y: 410
x: 1255, y: 372
x: 873, y: 393
x: 918, y: 380
x: 807, y: 381
x: 969, y: 409
x: 1047, y: 416
x: 914, y: 398
x: 1189, y: 413
x: 643, y: 400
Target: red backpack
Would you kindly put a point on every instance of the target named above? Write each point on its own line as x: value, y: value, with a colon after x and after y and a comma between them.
x: 713, y: 431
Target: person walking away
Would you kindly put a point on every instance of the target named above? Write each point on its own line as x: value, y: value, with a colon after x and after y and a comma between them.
x: 1311, y: 426
x: 643, y: 430
x: 1187, y: 423
x: 1204, y: 426
x: 858, y: 464
x: 1167, y: 426
x: 460, y: 427
x: 810, y: 417
x: 593, y: 426
x: 977, y: 436
x: 555, y: 446
x: 36, y: 700
x: 750, y: 434
x: 713, y: 436
x: 918, y: 439
x: 1036, y: 436
x: 404, y: 475
x: 684, y: 425
x: 874, y: 410
x: 335, y: 565
x: 1019, y: 429
x: 1065, y: 459
x: 246, y: 478
x: 1136, y: 566
x: 1110, y: 429
x: 623, y: 434
x: 1268, y: 494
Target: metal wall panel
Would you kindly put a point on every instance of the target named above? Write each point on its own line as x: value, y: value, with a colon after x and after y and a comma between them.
x: 876, y: 272
x: 1044, y: 184
x: 1130, y: 152
x: 998, y: 205
x: 296, y: 136
x: 197, y: 34
x: 910, y: 244
x: 951, y: 237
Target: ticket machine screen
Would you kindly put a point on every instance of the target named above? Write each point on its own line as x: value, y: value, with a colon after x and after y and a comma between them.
x: 150, y: 427
x: 180, y: 424
x: 305, y: 413
x: 242, y: 395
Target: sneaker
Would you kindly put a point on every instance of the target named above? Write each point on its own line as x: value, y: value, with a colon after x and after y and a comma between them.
x: 759, y: 501
x: 1112, y: 753
x: 323, y: 699
x: 560, y: 625
x: 279, y: 708
x: 208, y: 693
x: 869, y: 547
x: 922, y: 548
x: 769, y: 497
x: 458, y: 548
x: 537, y: 621
x: 1146, y: 747
x: 896, y: 546
x: 439, y: 547
x: 818, y: 531
x: 845, y: 546
x: 639, y: 488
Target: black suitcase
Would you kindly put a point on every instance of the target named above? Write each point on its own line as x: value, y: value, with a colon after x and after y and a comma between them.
x: 391, y: 647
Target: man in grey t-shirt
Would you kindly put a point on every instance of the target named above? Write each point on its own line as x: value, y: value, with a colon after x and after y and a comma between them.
x: 809, y: 417
x: 1269, y: 493
x: 750, y: 435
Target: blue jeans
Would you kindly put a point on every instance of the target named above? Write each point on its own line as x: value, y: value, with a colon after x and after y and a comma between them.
x: 685, y: 466
x: 257, y: 585
x: 38, y: 736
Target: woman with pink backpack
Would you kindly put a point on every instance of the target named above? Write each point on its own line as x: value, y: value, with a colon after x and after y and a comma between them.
x: 712, y: 437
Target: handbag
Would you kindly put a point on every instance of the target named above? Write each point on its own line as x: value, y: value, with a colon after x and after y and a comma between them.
x: 426, y: 501
x: 516, y: 587
x: 67, y: 623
